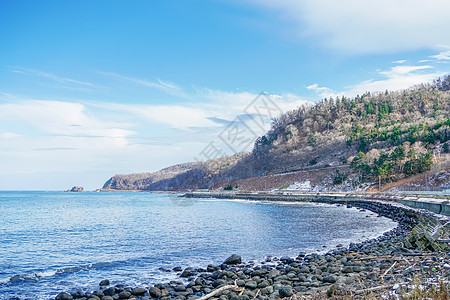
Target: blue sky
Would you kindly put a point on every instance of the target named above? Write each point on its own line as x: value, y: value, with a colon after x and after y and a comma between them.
x: 89, y: 89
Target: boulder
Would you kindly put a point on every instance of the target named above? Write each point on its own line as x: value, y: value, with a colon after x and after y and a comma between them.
x: 233, y: 260
x: 64, y: 296
x: 104, y: 282
x: 155, y: 292
x: 286, y: 292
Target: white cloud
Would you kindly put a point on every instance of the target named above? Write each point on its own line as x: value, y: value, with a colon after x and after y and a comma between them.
x: 398, y: 71
x: 401, y: 61
x: 176, y: 116
x: 396, y: 78
x: 67, y: 123
x: 445, y: 55
x: 370, y: 26
x: 323, y: 92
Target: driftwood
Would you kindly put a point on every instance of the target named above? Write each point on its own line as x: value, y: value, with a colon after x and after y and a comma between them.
x: 376, y: 288
x: 416, y: 254
x: 390, y: 257
x: 219, y: 290
x: 390, y: 268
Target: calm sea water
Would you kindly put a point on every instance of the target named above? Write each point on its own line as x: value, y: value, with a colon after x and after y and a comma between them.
x: 55, y: 241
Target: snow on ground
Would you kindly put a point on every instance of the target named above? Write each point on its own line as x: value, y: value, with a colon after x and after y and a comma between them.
x: 301, y: 186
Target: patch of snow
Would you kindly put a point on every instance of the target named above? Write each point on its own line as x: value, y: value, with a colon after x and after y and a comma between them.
x: 301, y: 186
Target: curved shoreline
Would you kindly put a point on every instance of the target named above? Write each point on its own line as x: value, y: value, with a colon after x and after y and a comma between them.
x: 339, y: 271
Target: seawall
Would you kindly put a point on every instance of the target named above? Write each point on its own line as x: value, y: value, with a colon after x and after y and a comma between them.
x: 438, y: 206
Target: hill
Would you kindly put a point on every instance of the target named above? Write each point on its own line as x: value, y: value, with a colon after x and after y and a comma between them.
x: 335, y: 144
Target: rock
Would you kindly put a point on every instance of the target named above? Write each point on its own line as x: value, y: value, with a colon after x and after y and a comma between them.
x: 285, y: 292
x: 124, y: 295
x: 76, y: 189
x: 104, y: 282
x: 251, y: 284
x: 107, y: 298
x: 64, y: 296
x: 263, y: 284
x: 94, y: 297
x: 233, y: 260
x: 109, y: 291
x: 329, y: 279
x: 304, y: 270
x: 77, y: 294
x: 139, y: 291
x: 347, y: 269
x: 187, y: 272
x: 155, y: 292
x: 274, y: 273
x: 180, y: 288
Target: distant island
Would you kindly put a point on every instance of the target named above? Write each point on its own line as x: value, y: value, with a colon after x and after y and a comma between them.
x: 372, y: 142
x: 76, y: 189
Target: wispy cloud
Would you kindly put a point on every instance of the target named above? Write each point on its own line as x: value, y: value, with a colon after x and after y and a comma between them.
x: 403, y: 70
x: 445, y: 55
x: 323, y: 92
x: 30, y: 72
x: 159, y: 84
x: 396, y: 78
x: 370, y: 26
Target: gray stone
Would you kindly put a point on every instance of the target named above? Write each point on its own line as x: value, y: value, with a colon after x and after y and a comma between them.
x: 251, y: 284
x: 139, y: 291
x: 64, y: 296
x: 286, y: 292
x: 124, y: 295
x: 233, y: 260
x: 304, y: 270
x: 180, y: 288
x: 329, y: 279
x: 155, y: 292
x: 263, y: 284
x: 104, y: 282
x: 109, y: 291
x: 186, y: 273
x: 347, y: 269
x: 273, y: 273
x: 99, y: 294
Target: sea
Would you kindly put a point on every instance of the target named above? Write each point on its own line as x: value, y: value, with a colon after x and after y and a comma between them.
x: 56, y: 241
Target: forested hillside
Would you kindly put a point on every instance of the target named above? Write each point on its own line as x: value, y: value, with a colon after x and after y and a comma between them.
x: 384, y: 136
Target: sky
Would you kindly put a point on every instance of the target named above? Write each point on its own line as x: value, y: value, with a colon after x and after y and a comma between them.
x: 90, y: 89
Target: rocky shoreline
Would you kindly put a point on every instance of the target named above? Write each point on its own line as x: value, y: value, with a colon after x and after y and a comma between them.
x: 382, y: 266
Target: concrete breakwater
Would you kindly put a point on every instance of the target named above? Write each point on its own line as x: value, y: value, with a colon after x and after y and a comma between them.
x: 381, y: 265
